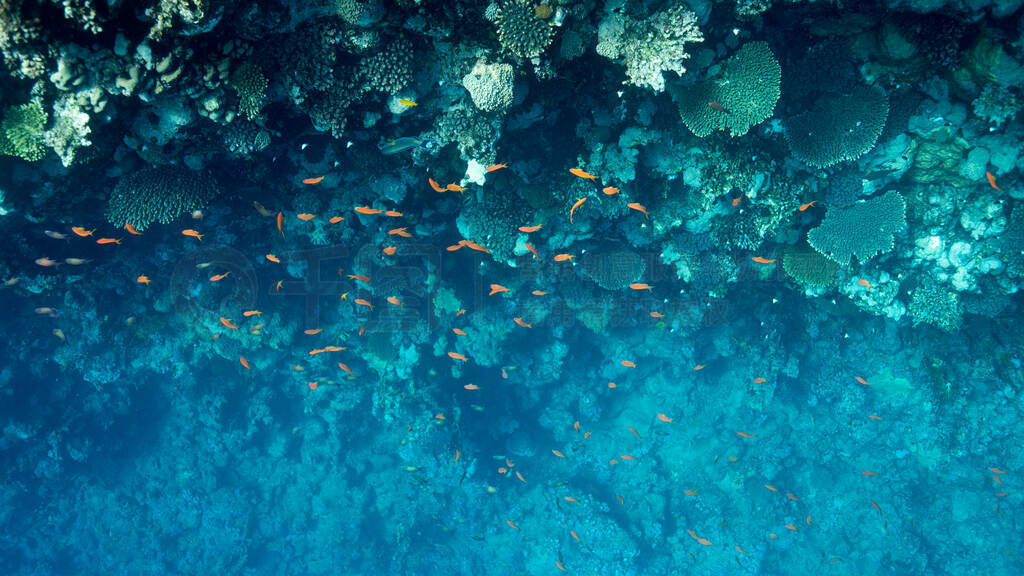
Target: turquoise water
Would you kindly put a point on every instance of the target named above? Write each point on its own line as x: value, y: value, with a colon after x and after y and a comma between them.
x: 653, y: 288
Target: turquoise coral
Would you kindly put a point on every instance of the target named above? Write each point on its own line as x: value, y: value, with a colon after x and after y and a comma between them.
x: 158, y: 195
x: 649, y: 47
x: 251, y: 86
x: 935, y: 305
x: 21, y: 133
x: 744, y: 94
x: 839, y: 128
x: 862, y: 230
x: 521, y: 30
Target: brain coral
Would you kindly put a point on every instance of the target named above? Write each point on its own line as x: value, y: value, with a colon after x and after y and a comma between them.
x: 745, y: 93
x: 862, y: 230
x: 839, y: 127
x: 521, y: 30
x: 490, y: 86
x: 158, y: 194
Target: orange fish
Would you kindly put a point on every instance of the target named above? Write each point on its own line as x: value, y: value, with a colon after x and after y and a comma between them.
x: 874, y: 417
x: 563, y: 257
x: 574, y: 535
x: 433, y: 184
x: 280, y: 223
x: 628, y: 363
x: 400, y: 232
x: 736, y: 201
x: 475, y: 246
x: 664, y: 418
x: 459, y: 331
x: 792, y: 497
x: 316, y: 180
x: 869, y: 473
x: 457, y: 454
x: 806, y: 206
x: 611, y: 385
x: 745, y: 435
x: 520, y: 476
x: 613, y: 462
x: 997, y: 471
x: 312, y: 331
x: 460, y: 312
x: 759, y: 380
x: 305, y: 217
x: 360, y: 278
x: 532, y: 250
x: 313, y: 385
x: 539, y: 293
x: 521, y: 322
x: 244, y: 362
x: 278, y: 285
x: 504, y: 374
x: 992, y: 181
x: 627, y: 456
x: 576, y: 205
x: 621, y: 501
x: 791, y: 527
x: 334, y: 348
x: 471, y: 387
x: 496, y: 288
x: 336, y: 219
x: 367, y: 210
x: 510, y: 523
x: 47, y: 262
x: 557, y: 453
x: 716, y: 105
x: 529, y: 229
x: 559, y: 565
x: 494, y: 167
x: 635, y: 433
x: 690, y: 492
x: 657, y: 315
x: 761, y: 260
x: 772, y: 488
x: 131, y: 229
x: 390, y: 250
x: 576, y: 425
x: 738, y: 549
x: 571, y: 499
x: 363, y: 302
x: 457, y: 356
x: 582, y: 174
x: 609, y: 190
x: 219, y: 277
x: 192, y: 233
x: 394, y: 301
x: 862, y: 381
x: 78, y: 230
x: 638, y: 207
x: 393, y: 214
x: 273, y: 258
x: 346, y: 368
x: 143, y: 280
x: 458, y: 246
x: 641, y: 286
x: 587, y: 435
x: 118, y: 240
x: 454, y: 188
x: 228, y: 323
x: 864, y: 283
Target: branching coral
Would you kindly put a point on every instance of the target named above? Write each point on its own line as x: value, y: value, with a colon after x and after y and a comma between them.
x: 158, y: 195
x: 521, y: 30
x: 21, y: 133
x: 649, y: 47
x: 839, y: 127
x: 933, y: 304
x: 742, y: 96
x: 166, y: 12
x: 861, y: 230
x: 250, y: 85
x: 389, y: 70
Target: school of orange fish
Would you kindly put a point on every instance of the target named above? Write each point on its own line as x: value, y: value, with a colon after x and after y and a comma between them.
x: 507, y: 469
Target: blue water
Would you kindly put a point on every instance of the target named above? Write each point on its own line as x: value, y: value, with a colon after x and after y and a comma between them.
x: 378, y: 372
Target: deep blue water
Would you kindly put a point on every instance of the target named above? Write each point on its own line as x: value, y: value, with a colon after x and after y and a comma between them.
x: 740, y: 354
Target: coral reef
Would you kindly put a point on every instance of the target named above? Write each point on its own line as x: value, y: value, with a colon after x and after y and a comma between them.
x: 650, y: 47
x: 839, y: 128
x: 862, y: 230
x: 158, y: 195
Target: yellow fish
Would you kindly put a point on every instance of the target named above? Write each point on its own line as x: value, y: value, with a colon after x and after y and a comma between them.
x: 407, y: 102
